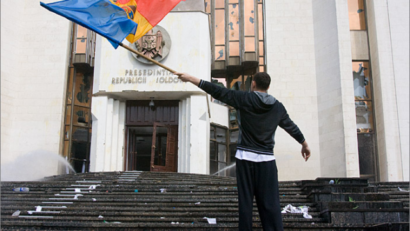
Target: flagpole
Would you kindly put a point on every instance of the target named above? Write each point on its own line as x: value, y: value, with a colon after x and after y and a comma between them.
x: 161, y: 65
x: 147, y: 58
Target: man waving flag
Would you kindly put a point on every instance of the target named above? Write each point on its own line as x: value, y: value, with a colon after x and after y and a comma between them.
x: 114, y: 19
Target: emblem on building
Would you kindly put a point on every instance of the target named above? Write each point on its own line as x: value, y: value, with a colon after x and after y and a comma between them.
x: 156, y: 44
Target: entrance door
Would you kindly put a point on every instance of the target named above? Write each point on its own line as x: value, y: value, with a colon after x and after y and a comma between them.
x: 151, y: 136
x: 164, y: 148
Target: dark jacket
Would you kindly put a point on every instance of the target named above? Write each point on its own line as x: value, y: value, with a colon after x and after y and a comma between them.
x: 258, y: 114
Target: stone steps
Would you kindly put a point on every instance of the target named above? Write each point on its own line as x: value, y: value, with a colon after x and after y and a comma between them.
x: 113, y: 195
x: 111, y: 226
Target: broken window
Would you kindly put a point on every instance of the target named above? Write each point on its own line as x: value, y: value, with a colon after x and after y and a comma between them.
x: 77, y: 129
x: 218, y: 149
x: 356, y: 14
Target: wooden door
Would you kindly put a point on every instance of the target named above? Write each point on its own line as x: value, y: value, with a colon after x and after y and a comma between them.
x: 164, y: 148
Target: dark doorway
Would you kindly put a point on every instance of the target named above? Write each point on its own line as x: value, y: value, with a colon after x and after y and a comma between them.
x: 152, y: 136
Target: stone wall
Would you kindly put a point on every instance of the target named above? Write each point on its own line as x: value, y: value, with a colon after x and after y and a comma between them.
x: 35, y: 44
x: 290, y: 58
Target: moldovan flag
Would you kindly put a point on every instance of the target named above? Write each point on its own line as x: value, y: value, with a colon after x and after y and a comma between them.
x: 114, y: 19
x: 146, y: 13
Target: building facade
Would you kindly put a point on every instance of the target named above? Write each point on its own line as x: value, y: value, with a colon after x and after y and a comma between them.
x: 340, y: 68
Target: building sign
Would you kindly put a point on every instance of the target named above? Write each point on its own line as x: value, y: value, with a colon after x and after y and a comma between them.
x: 156, y: 45
x: 140, y: 76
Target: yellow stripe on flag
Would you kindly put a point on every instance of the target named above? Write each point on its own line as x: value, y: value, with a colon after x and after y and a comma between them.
x: 143, y: 27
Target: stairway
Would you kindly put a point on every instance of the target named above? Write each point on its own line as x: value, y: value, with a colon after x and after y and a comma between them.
x: 158, y: 201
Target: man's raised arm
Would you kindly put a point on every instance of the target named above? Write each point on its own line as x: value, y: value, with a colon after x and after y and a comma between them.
x: 230, y: 97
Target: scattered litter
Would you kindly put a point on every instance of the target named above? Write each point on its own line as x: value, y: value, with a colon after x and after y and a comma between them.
x: 331, y: 182
x: 403, y: 190
x: 77, y: 190
x: 136, y: 190
x: 313, y: 223
x: 162, y: 217
x: 30, y: 212
x: 174, y: 223
x: 21, y: 189
x: 16, y: 213
x: 191, y: 191
x: 92, y: 187
x: 38, y: 208
x: 301, y: 209
x: 211, y: 221
x: 163, y: 190
x: 198, y: 203
x: 76, y: 196
x: 94, y: 199
x: 100, y: 216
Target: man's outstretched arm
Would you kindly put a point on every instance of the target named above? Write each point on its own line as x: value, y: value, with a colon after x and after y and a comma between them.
x: 188, y: 78
x: 230, y: 97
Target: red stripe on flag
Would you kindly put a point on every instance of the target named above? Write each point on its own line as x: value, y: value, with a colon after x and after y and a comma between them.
x: 155, y: 10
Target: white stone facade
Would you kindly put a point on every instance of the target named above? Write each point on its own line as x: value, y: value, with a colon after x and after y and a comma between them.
x: 309, y: 53
x: 34, y: 58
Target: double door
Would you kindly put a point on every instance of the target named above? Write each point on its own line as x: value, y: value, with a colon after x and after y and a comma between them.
x: 153, y: 148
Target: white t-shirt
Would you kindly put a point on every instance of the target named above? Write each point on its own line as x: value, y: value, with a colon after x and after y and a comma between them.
x: 250, y: 156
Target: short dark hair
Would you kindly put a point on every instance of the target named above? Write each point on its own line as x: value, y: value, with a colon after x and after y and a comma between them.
x: 262, y: 80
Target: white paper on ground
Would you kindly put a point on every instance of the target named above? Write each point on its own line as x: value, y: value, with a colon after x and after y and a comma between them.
x: 402, y: 190
x: 301, y: 209
x: 16, y: 213
x: 211, y: 221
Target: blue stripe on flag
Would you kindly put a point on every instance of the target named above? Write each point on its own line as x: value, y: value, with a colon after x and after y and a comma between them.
x: 100, y: 16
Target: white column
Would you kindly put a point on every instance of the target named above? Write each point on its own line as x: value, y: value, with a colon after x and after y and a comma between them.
x: 290, y: 56
x: 385, y: 98
x: 398, y: 11
x: 114, y: 137
x: 184, y: 136
x: 121, y: 136
x: 99, y: 114
x: 108, y: 135
x: 199, y: 133
x: 336, y: 110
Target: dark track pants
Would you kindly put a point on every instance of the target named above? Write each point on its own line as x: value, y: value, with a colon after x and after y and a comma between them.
x: 259, y: 179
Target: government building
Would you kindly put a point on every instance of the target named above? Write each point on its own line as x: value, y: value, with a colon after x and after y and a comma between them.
x: 340, y: 67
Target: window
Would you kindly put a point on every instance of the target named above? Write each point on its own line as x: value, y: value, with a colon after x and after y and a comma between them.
x: 362, y: 81
x: 356, y: 15
x: 363, y: 97
x: 218, y: 149
x: 238, y: 36
x: 77, y: 122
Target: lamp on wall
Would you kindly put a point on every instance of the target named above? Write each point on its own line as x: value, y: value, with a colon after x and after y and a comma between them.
x: 152, y: 104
